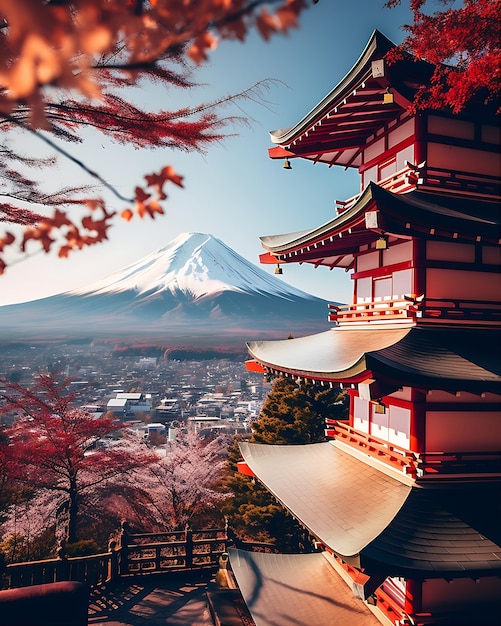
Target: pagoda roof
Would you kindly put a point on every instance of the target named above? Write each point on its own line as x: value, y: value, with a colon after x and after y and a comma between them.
x: 338, y: 127
x: 447, y: 358
x: 414, y: 214
x: 285, y: 589
x: 376, y: 522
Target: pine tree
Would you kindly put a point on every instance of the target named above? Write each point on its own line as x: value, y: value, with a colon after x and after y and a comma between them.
x: 295, y: 413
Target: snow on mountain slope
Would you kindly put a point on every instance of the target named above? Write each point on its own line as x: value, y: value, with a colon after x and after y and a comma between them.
x: 196, y: 264
x: 195, y: 288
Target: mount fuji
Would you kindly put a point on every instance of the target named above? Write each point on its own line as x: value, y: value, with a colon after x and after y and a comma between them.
x: 195, y: 287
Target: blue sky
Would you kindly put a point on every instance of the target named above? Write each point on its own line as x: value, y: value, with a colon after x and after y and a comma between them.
x: 234, y: 191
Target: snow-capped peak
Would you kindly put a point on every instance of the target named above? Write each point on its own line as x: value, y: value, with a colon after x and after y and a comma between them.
x: 196, y: 264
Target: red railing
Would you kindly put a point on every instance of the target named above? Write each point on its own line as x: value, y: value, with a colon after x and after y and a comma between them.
x: 384, y: 310
x: 432, y: 179
x: 420, y: 311
x: 459, y: 309
x: 436, y: 464
x: 402, y: 181
x: 402, y: 460
x: 419, y: 465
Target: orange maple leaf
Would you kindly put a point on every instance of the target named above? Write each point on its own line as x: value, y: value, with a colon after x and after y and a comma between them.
x: 267, y: 24
x: 7, y: 240
x: 169, y: 174
x: 59, y: 219
x: 127, y: 215
x: 198, y: 50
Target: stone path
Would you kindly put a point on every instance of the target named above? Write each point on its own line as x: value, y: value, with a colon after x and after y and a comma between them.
x: 183, y: 599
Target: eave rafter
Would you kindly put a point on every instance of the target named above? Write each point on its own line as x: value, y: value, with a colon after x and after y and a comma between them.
x: 347, y: 123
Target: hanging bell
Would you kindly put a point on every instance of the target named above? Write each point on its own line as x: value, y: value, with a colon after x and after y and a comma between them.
x: 278, y: 270
x: 388, y: 97
x: 287, y: 164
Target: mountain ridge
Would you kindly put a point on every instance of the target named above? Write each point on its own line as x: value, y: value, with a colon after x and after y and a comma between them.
x: 194, y: 286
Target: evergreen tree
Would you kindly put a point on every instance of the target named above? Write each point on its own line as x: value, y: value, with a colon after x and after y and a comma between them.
x: 295, y: 413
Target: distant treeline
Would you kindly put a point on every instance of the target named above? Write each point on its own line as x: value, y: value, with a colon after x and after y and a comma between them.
x: 182, y: 353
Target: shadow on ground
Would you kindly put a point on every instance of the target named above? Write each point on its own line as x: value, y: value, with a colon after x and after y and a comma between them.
x: 174, y: 599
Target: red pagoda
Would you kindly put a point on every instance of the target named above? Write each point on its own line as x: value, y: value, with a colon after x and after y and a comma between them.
x: 403, y: 499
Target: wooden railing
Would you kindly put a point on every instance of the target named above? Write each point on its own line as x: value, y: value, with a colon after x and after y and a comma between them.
x: 385, y: 310
x: 133, y: 554
x: 419, y: 465
x: 425, y: 310
x: 434, y: 179
x: 459, y: 309
x: 178, y: 550
x: 94, y: 570
x: 459, y: 183
x: 402, y: 181
x: 436, y: 464
x: 402, y: 460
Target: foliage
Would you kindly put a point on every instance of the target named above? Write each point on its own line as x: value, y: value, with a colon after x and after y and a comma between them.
x: 51, y: 448
x: 84, y: 547
x: 292, y: 414
x: 295, y: 413
x: 463, y: 43
x: 178, y: 489
x: 70, y: 65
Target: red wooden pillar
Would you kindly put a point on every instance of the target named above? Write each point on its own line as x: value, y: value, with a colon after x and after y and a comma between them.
x: 418, y: 422
x: 413, y: 596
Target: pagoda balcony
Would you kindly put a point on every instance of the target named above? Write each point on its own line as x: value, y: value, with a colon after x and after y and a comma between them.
x: 443, y: 181
x: 421, y: 466
x: 418, y: 310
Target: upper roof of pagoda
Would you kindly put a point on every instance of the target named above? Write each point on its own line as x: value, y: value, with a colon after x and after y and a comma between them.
x: 337, y: 128
x: 377, y: 210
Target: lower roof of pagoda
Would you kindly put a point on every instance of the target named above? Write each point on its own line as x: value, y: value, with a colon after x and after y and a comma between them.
x: 448, y: 358
x: 414, y: 214
x: 285, y: 589
x: 376, y: 522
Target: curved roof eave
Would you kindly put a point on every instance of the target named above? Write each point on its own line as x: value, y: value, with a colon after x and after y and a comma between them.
x: 377, y: 43
x: 287, y: 241
x: 269, y: 584
x: 421, y: 209
x: 312, y: 477
x: 448, y: 359
x: 387, y: 526
x: 335, y: 354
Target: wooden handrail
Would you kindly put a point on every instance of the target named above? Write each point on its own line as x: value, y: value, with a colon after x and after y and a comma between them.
x: 409, y: 178
x: 420, y: 465
x: 375, y: 310
x: 403, y: 460
x: 402, y: 181
x: 428, y: 308
x: 144, y: 553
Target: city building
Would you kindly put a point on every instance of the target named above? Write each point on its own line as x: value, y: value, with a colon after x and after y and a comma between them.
x: 403, y: 501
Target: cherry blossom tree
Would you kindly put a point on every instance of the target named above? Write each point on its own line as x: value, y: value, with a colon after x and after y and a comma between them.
x: 68, y: 65
x: 181, y: 488
x: 464, y: 45
x: 51, y: 448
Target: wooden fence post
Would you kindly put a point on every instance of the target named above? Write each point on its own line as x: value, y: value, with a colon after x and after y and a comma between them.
x: 189, y: 546
x: 62, y: 568
x: 113, y: 562
x: 124, y: 548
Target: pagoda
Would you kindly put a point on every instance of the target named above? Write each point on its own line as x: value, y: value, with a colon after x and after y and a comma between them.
x: 402, y: 499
